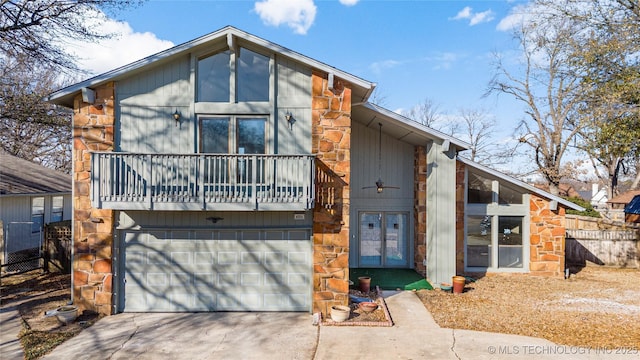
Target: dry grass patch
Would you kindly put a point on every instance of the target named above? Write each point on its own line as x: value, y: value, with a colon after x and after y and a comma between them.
x: 34, y: 293
x: 598, y: 307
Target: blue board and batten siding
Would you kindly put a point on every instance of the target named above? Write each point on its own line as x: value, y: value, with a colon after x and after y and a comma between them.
x: 396, y: 170
x: 146, y: 104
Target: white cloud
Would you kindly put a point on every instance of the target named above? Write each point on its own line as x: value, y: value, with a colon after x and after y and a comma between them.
x: 378, y: 66
x: 517, y: 16
x: 474, y: 18
x: 349, y: 2
x: 126, y: 47
x: 298, y: 15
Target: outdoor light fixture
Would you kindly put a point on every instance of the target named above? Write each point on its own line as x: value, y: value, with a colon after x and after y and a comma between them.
x: 176, y: 117
x: 290, y: 119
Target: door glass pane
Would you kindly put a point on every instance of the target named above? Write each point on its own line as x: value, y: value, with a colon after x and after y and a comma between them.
x: 213, y: 77
x: 251, y: 140
x: 396, y: 239
x: 510, y: 242
x: 215, y: 135
x: 251, y: 136
x: 253, y: 76
x: 370, y: 239
x: 478, y: 241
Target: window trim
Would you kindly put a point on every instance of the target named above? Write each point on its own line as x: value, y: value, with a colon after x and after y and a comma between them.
x: 495, y: 210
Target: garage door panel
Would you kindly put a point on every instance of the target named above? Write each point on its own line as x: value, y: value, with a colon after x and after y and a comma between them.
x: 228, y: 270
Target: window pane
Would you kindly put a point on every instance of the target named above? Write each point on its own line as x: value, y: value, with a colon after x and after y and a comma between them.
x: 213, y: 77
x: 478, y: 241
x: 251, y: 136
x: 509, y: 196
x: 510, y: 242
x: 57, y: 208
x: 215, y: 135
x: 253, y: 76
x: 37, y: 214
x: 479, y: 191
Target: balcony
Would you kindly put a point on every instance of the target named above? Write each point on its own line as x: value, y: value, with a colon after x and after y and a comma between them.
x: 221, y: 182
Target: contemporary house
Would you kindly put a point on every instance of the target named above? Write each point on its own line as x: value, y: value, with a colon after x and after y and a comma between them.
x: 232, y: 174
x: 31, y: 195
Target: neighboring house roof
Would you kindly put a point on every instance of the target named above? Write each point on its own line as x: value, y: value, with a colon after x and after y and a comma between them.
x: 624, y: 198
x: 23, y: 177
x: 361, y: 88
x: 520, y: 184
x: 633, y: 207
x: 401, y: 127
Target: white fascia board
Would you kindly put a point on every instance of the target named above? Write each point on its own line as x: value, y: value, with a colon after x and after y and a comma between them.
x: 187, y: 46
x: 521, y: 184
x: 414, y: 125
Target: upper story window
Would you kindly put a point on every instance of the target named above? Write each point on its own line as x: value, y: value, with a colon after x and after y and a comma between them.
x: 251, y: 77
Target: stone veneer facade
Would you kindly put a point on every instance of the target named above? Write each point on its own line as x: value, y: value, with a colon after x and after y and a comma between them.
x: 546, y: 238
x: 546, y: 233
x: 420, y: 209
x: 331, y: 142
x: 92, y: 228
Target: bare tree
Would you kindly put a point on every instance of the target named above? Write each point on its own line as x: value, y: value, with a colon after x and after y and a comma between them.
x: 478, y: 126
x: 426, y: 113
x: 39, y: 29
x: 29, y: 127
x: 549, y: 89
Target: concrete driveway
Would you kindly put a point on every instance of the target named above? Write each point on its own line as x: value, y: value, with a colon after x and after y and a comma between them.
x: 194, y: 336
x: 415, y: 335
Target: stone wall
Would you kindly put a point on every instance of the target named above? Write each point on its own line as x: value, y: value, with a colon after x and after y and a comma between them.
x: 93, y: 228
x: 420, y: 209
x: 331, y: 141
x: 546, y: 238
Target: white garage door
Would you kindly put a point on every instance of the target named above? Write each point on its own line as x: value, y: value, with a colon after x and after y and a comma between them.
x: 221, y: 270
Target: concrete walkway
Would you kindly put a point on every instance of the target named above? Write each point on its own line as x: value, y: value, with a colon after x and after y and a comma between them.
x: 10, y: 326
x: 415, y: 335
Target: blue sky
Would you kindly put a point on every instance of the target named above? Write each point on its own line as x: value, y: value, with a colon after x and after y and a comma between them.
x: 440, y: 50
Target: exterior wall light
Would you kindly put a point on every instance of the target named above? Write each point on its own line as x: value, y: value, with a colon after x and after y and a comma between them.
x: 290, y: 119
x: 176, y: 117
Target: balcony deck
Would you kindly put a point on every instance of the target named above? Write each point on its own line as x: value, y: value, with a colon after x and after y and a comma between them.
x: 221, y: 182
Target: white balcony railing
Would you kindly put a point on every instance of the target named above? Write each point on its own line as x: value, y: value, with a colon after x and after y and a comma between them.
x: 126, y: 181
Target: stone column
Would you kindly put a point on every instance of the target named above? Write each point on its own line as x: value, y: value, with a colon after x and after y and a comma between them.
x: 92, y: 228
x: 547, y: 238
x: 331, y: 142
x: 420, y: 209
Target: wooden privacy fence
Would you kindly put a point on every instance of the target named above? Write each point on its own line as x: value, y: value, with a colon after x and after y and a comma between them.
x: 57, y: 247
x: 601, y: 242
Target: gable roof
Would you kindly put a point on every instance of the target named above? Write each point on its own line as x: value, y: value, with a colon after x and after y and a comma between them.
x: 23, y: 177
x: 360, y: 91
x: 520, y: 184
x: 633, y: 207
x: 624, y: 198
